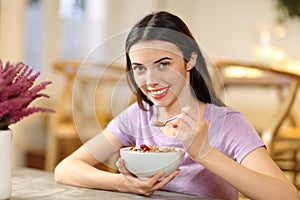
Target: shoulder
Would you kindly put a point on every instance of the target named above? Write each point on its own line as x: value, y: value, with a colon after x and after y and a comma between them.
x: 133, y: 115
x: 232, y: 132
x: 224, y: 115
x: 133, y: 108
x: 232, y: 122
x: 227, y: 113
x: 136, y: 111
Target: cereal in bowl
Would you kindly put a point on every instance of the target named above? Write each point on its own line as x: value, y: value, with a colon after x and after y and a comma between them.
x: 149, y: 148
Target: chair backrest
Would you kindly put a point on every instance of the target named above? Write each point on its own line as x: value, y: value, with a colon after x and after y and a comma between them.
x: 99, y: 91
x: 279, y: 77
x: 68, y: 70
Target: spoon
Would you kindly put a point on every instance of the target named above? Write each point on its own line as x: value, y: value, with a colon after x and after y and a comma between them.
x: 162, y: 124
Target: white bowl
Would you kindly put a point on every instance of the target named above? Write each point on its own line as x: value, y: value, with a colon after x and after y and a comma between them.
x: 146, y: 165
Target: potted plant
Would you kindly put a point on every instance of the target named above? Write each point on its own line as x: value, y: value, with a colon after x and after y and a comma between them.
x: 288, y: 9
x: 17, y: 91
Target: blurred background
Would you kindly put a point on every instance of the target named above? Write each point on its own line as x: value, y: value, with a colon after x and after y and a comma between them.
x: 43, y: 32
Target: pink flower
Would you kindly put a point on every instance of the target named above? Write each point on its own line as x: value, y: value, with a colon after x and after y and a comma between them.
x: 17, y: 91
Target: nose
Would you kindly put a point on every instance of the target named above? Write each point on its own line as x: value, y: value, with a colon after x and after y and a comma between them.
x: 153, y: 77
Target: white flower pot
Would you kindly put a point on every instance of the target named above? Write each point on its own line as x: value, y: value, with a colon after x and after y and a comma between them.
x: 5, y: 166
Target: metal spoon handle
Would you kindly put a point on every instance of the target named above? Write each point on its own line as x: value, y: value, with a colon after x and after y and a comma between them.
x: 174, y: 117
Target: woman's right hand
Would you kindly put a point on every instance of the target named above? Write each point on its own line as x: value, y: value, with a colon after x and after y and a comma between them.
x: 130, y: 183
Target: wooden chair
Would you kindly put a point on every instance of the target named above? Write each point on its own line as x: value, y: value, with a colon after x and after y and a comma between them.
x: 64, y: 135
x: 282, y: 141
x: 61, y: 127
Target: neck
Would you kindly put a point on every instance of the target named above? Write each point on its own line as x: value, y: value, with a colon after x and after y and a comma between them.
x: 185, y: 98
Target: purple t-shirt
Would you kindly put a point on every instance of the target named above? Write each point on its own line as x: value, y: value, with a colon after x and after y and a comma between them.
x: 229, y: 132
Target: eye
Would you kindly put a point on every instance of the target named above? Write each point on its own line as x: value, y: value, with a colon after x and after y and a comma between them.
x: 163, y: 65
x: 139, y: 68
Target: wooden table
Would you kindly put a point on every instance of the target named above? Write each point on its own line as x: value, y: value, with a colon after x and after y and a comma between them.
x: 35, y: 184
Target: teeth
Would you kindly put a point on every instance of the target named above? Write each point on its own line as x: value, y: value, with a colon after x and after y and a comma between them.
x: 158, y: 92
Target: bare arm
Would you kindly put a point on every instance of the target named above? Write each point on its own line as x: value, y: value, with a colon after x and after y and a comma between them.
x: 257, y: 177
x: 78, y: 169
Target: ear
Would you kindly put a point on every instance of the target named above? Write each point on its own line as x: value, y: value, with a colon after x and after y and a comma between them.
x: 192, y: 62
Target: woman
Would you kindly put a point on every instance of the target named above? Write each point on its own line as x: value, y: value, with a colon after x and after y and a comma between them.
x: 168, y: 73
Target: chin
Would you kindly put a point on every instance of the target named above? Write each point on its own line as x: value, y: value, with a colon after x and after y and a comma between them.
x: 161, y: 103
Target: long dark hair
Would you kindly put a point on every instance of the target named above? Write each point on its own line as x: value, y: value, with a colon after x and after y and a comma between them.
x: 170, y: 28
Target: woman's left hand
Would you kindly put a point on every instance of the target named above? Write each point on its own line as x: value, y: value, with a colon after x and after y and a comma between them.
x: 133, y: 184
x: 192, y: 131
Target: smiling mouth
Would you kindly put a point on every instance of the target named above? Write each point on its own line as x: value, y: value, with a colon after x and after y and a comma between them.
x: 157, y: 94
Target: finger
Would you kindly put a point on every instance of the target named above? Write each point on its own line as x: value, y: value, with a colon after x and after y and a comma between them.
x: 118, y: 163
x: 121, y: 167
x: 176, y: 122
x: 170, y: 177
x: 188, y: 120
x: 189, y: 111
x: 185, y: 118
x: 190, y: 116
x: 182, y: 122
x: 166, y: 180
x: 154, y: 179
x: 146, y: 187
x: 153, y: 184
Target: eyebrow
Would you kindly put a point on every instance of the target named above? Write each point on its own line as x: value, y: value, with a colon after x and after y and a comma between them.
x: 157, y: 61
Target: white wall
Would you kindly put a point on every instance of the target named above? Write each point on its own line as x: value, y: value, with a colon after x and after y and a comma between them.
x: 11, y: 30
x: 224, y: 28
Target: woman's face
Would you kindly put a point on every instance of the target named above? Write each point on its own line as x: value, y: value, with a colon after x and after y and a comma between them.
x: 159, y: 71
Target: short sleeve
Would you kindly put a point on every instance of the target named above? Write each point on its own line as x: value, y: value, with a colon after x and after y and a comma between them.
x: 239, y: 136
x: 133, y: 125
x: 121, y: 126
